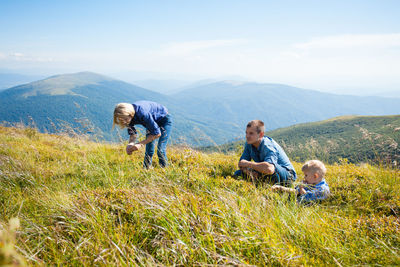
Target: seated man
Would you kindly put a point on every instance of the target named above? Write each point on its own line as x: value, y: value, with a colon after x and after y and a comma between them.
x: 270, y: 163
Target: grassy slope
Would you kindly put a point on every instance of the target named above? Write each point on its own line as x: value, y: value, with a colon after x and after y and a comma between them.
x: 87, y: 203
x: 355, y: 138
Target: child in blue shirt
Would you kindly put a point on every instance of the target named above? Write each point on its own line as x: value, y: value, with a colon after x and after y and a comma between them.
x: 314, y: 186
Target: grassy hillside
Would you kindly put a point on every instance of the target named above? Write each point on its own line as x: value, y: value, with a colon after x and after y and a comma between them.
x: 72, y: 202
x: 355, y: 138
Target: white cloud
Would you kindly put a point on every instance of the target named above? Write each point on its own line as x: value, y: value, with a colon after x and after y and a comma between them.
x: 352, y: 41
x: 17, y: 55
x: 326, y: 62
x: 22, y: 57
x: 375, y: 55
x: 321, y: 63
x: 185, y: 48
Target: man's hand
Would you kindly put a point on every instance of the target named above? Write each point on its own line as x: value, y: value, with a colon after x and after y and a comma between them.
x: 263, y: 168
x: 244, y: 164
x: 132, y: 147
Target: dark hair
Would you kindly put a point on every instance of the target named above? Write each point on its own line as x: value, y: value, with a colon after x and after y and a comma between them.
x: 258, y: 124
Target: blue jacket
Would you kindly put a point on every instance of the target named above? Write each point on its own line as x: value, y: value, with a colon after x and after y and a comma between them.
x: 319, y: 191
x: 147, y: 114
x: 268, y: 151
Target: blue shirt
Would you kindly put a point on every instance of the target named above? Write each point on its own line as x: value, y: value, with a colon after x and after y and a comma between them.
x: 268, y: 151
x: 147, y: 113
x: 319, y: 191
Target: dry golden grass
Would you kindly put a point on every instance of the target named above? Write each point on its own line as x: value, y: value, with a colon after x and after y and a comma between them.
x: 85, y: 203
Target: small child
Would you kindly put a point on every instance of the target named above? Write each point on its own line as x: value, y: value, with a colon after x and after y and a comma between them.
x: 314, y: 186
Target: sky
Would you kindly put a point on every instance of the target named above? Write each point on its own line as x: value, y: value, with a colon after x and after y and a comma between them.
x: 338, y: 45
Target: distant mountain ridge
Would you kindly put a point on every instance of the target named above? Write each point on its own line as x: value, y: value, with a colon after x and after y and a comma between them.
x: 278, y: 105
x: 71, y: 98
x: 63, y: 84
x: 208, y: 114
x: 8, y: 80
x: 355, y: 138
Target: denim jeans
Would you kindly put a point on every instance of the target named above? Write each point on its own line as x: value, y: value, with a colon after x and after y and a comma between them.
x: 281, y: 176
x: 165, y: 125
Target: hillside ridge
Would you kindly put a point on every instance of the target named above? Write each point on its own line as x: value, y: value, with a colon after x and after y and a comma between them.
x: 373, y: 139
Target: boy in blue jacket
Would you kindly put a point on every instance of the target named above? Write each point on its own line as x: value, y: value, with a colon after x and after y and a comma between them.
x: 314, y: 186
x: 157, y: 121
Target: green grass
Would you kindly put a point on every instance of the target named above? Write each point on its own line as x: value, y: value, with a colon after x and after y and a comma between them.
x: 85, y: 203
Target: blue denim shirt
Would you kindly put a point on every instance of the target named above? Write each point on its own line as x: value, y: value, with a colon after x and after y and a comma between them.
x: 319, y: 191
x: 147, y: 113
x: 268, y: 151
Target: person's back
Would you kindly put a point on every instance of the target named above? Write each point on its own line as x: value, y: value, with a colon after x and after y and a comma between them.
x: 153, y: 109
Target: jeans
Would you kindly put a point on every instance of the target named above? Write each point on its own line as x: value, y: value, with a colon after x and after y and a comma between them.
x: 281, y: 176
x: 165, y: 125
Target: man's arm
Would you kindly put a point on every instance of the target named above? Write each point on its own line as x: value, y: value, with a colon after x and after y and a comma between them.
x: 246, y: 157
x: 262, y: 167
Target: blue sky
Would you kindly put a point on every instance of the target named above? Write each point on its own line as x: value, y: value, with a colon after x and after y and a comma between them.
x: 324, y: 45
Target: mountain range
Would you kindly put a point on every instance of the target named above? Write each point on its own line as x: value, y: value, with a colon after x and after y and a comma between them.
x: 211, y: 113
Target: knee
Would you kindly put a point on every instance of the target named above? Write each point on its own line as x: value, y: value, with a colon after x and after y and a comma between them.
x: 269, y: 170
x: 161, y: 153
x: 238, y: 173
x: 149, y: 153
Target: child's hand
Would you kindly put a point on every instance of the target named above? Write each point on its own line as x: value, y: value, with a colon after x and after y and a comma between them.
x: 129, y: 149
x: 132, y: 148
x: 136, y: 147
x: 277, y: 188
x: 302, y: 191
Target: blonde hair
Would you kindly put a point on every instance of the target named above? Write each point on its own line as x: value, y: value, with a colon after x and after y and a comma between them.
x: 258, y: 124
x: 122, y: 112
x: 314, y: 166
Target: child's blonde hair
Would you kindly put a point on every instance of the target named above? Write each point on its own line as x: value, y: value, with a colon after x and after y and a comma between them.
x: 122, y: 111
x: 314, y: 166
